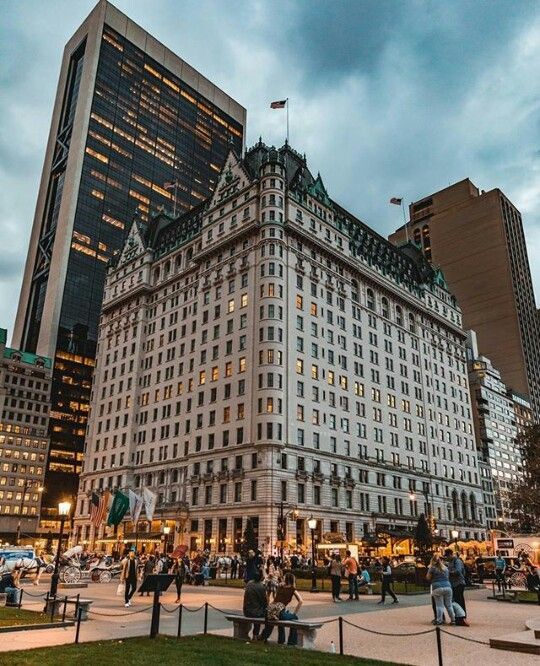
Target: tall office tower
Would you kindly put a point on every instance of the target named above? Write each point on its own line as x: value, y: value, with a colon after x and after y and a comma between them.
x: 269, y: 347
x: 496, y: 432
x: 477, y: 239
x: 129, y: 117
x: 25, y: 385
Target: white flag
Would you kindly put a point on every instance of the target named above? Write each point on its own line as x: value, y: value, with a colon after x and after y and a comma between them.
x: 150, y: 500
x: 135, y: 506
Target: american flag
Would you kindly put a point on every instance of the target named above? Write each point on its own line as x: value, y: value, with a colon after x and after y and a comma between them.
x: 396, y: 201
x: 98, y: 507
x: 170, y: 184
x: 280, y: 104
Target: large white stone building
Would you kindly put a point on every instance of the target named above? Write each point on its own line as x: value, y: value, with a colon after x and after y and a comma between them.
x: 269, y: 347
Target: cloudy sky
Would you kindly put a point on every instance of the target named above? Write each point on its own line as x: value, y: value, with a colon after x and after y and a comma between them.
x: 388, y: 97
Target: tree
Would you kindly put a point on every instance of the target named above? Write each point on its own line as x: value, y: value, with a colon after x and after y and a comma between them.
x: 423, y: 538
x: 524, y: 496
x: 249, y: 542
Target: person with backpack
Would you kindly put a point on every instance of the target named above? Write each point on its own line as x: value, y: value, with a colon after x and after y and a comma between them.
x: 335, y: 570
x: 386, y: 580
x: 351, y: 570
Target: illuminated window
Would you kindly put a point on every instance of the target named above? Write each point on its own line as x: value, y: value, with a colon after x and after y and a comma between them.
x: 228, y: 369
x: 299, y: 302
x: 230, y: 305
x: 243, y: 300
x: 242, y: 364
x: 202, y: 377
x: 299, y: 366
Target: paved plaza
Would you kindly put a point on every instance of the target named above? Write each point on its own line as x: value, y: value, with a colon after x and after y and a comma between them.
x: 488, y: 618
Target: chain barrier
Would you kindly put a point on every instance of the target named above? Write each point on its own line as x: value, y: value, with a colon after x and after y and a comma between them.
x: 383, y: 633
x: 193, y: 610
x: 141, y: 610
x: 175, y: 608
x: 36, y: 596
x: 218, y: 609
x: 465, y: 638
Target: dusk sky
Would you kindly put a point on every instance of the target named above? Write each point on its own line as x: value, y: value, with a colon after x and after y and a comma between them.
x: 388, y: 98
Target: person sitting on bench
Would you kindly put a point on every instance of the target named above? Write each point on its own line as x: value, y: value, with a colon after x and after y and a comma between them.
x: 277, y: 610
x: 364, y: 578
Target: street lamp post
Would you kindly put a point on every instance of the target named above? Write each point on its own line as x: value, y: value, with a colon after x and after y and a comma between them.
x: 312, y: 524
x: 282, y: 518
x: 63, y: 512
x: 166, y: 532
x: 455, y: 535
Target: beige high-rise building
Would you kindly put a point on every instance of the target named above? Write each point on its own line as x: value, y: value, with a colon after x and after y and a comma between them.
x: 269, y: 352
x: 477, y: 239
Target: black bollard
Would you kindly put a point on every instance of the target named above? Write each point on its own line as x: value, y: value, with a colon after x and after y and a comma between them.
x: 154, y: 626
x: 65, y: 608
x: 340, y: 621
x: 20, y: 598
x: 439, y: 645
x: 179, y: 633
x: 205, y: 617
x: 78, y: 629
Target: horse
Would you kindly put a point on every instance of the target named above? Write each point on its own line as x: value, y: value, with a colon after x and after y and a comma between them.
x: 28, y: 566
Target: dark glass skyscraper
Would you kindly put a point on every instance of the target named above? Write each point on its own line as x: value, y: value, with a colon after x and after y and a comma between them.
x: 134, y: 129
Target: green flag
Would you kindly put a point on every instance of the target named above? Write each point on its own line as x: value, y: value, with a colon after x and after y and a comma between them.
x: 119, y: 508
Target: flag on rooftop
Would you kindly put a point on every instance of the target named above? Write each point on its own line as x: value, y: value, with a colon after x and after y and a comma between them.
x: 280, y: 104
x: 396, y: 201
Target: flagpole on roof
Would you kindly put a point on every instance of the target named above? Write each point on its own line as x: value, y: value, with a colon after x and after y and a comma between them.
x: 405, y: 221
x: 287, y: 101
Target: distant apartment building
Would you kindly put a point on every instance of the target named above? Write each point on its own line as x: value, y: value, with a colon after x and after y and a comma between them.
x: 496, y: 429
x: 25, y: 386
x: 134, y: 128
x: 267, y: 351
x: 477, y: 239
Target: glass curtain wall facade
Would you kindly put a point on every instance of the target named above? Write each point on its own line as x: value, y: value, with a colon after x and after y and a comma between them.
x: 146, y: 128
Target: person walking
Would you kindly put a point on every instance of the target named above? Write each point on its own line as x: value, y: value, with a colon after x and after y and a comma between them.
x: 255, y: 601
x: 128, y: 576
x: 179, y: 571
x: 234, y: 567
x: 336, y: 572
x: 278, y: 610
x: 441, y: 590
x: 386, y: 581
x: 500, y: 570
x: 456, y: 569
x: 148, y: 568
x: 351, y: 570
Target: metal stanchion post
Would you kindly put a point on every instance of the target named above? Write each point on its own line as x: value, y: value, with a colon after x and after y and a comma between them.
x: 77, y: 600
x: 179, y: 632
x: 46, y: 602
x: 154, y: 626
x: 439, y: 645
x: 65, y: 608
x: 78, y: 630
x: 20, y: 598
x: 205, y: 617
x: 340, y: 621
x: 53, y: 607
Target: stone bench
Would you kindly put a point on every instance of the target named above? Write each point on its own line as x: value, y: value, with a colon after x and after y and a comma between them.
x: 84, y: 605
x: 366, y: 589
x: 307, y: 631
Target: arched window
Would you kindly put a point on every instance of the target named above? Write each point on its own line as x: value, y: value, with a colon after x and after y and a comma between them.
x: 472, y: 500
x: 156, y: 275
x: 399, y: 315
x: 455, y: 504
x: 464, y: 506
x: 385, y: 307
x: 412, y: 324
x: 167, y: 268
x: 370, y: 299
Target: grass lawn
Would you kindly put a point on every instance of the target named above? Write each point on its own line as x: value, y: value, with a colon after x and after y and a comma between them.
x: 304, y: 585
x: 192, y: 650
x: 528, y: 596
x: 10, y: 617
